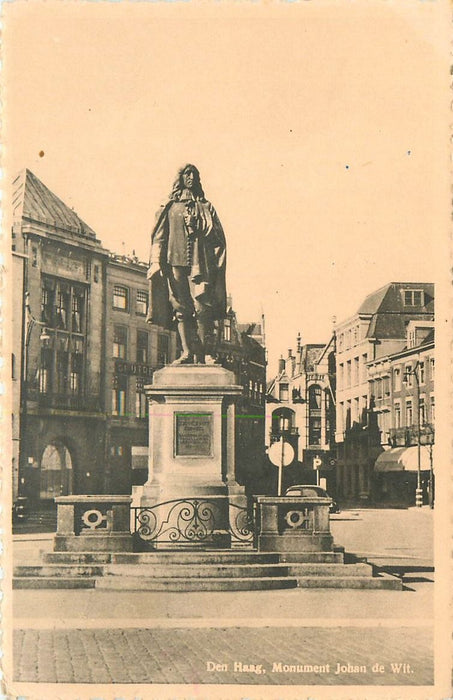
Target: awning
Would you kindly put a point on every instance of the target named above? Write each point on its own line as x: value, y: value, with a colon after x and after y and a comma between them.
x: 400, y: 459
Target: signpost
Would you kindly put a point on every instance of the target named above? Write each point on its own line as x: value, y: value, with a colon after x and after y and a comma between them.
x: 281, y: 454
x: 317, y: 464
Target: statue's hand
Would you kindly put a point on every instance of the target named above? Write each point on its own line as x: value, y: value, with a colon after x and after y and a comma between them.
x: 153, y: 269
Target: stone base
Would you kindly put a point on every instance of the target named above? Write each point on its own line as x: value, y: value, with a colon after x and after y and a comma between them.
x: 112, y: 542
x: 322, y: 542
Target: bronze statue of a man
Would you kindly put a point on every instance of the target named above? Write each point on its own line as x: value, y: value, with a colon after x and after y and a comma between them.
x: 188, y: 248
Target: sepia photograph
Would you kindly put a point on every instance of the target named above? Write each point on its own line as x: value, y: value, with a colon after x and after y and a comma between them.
x: 226, y: 338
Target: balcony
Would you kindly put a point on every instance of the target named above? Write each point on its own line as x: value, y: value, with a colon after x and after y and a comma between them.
x: 404, y: 437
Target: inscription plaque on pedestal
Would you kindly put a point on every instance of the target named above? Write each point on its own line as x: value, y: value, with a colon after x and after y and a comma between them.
x: 193, y: 434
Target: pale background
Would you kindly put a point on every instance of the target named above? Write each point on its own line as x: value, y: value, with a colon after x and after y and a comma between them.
x: 319, y: 130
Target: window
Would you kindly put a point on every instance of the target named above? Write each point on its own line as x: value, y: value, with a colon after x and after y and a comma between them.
x: 364, y: 368
x: 341, y: 376
x: 34, y: 256
x: 433, y: 409
x: 162, y: 349
x: 142, y: 347
x: 119, y: 393
x: 356, y: 371
x: 422, y: 411
x: 44, y: 376
x: 397, y: 415
x: 62, y: 306
x: 141, y: 302
x: 408, y: 376
x: 227, y: 330
x: 421, y: 372
x: 314, y: 430
x: 96, y: 273
x: 77, y: 310
x: 120, y: 298
x: 386, y: 386
x: 283, y: 392
x: 378, y: 388
x: 413, y: 297
x: 62, y: 371
x: 120, y: 342
x: 432, y: 367
x: 13, y: 366
x: 75, y: 383
x: 47, y: 297
x: 348, y: 373
x: 314, y: 398
x: 141, y: 403
x: 396, y: 379
x: 409, y: 416
x: 76, y: 372
x: 341, y: 417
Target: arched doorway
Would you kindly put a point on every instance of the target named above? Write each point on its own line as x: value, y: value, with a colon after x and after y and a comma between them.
x: 56, y: 472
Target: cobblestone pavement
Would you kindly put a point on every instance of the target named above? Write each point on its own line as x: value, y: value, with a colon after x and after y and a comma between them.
x: 226, y: 655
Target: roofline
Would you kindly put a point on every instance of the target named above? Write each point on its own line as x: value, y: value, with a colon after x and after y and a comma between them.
x: 403, y: 353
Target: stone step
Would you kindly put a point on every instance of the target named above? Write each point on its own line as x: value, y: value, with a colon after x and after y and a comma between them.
x: 77, y: 557
x: 54, y: 582
x: 381, y: 582
x: 236, y: 570
x: 147, y: 583
x: 176, y: 557
x: 58, y: 570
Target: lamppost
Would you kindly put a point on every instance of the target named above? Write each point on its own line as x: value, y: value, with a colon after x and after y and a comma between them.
x: 414, y: 372
x: 29, y: 322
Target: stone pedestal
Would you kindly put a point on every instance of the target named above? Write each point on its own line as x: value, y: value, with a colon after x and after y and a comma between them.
x: 91, y: 523
x: 293, y: 524
x: 192, y: 454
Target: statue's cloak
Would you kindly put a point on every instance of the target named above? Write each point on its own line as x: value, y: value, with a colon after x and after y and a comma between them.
x: 205, y: 256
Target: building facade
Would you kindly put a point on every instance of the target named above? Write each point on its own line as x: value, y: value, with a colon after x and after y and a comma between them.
x: 59, y: 300
x: 83, y: 352
x: 378, y: 330
x: 402, y: 384
x: 134, y: 350
x: 301, y: 409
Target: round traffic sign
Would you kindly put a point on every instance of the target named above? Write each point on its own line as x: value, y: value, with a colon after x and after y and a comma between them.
x: 281, y: 455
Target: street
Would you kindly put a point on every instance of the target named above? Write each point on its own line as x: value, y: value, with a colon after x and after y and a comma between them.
x: 142, y: 637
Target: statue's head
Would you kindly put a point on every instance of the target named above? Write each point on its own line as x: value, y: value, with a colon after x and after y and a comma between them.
x: 188, y: 178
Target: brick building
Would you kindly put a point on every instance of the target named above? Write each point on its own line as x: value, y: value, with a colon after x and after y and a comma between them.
x: 401, y: 384
x: 378, y: 330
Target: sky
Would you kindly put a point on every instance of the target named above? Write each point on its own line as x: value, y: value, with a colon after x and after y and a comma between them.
x: 319, y: 129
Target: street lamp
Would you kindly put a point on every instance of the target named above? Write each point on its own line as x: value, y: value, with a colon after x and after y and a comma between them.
x: 414, y: 371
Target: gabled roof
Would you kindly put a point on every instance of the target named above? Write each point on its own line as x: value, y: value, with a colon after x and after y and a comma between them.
x: 388, y: 299
x: 34, y: 202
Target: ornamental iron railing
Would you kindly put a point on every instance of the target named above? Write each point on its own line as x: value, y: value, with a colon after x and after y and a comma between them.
x: 214, y: 522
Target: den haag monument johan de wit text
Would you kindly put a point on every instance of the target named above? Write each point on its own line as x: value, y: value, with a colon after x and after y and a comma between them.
x: 192, y: 499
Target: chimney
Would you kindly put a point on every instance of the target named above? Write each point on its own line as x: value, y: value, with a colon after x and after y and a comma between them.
x: 281, y: 365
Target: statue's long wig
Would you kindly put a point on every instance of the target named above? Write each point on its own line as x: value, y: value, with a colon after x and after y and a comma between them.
x: 178, y: 185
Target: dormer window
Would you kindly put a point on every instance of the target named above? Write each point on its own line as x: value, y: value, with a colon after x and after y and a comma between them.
x: 413, y: 297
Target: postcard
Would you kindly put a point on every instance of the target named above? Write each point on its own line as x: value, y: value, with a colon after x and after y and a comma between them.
x: 226, y: 341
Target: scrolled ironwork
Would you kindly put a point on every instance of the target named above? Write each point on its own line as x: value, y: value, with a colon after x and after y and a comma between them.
x: 241, y: 524
x: 193, y: 521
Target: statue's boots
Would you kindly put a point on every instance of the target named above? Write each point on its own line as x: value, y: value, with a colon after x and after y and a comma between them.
x: 186, y: 357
